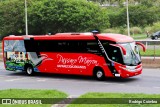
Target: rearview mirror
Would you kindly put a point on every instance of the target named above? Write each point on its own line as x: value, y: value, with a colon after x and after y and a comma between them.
x: 121, y: 47
x: 142, y: 45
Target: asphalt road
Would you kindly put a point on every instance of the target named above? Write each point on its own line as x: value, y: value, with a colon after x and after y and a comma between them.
x: 148, y: 82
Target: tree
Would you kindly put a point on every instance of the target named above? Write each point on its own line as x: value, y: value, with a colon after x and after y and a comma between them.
x: 66, y: 16
x: 51, y: 16
x: 140, y: 15
x: 12, y: 17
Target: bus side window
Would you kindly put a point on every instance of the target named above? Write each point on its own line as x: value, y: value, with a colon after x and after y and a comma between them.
x: 62, y: 46
x: 14, y: 45
x: 73, y: 46
x: 31, y: 45
x: 81, y: 46
x: 114, y: 53
x: 93, y: 47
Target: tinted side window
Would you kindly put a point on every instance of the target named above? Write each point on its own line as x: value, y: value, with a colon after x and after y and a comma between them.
x: 62, y: 46
x: 31, y: 45
x: 93, y: 47
x: 114, y: 53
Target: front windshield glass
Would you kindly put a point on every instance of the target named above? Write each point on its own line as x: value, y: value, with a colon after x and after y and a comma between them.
x: 132, y: 57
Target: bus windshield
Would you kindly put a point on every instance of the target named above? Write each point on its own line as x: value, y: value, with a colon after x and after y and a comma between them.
x: 132, y: 57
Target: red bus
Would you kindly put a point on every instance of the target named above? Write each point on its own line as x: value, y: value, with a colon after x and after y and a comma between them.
x: 91, y: 54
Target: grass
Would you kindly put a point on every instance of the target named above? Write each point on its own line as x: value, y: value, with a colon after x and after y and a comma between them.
x: 27, y: 93
x: 150, y: 52
x: 139, y: 36
x: 97, y: 102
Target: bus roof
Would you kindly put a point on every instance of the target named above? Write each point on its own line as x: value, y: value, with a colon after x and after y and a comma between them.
x: 75, y: 36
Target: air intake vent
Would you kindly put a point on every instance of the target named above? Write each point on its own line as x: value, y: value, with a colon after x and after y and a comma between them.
x: 75, y: 34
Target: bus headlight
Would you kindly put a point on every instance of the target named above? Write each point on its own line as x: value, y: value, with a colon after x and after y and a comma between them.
x: 130, y: 68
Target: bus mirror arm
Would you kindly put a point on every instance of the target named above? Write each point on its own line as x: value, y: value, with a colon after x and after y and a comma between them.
x: 142, y: 45
x: 122, y: 48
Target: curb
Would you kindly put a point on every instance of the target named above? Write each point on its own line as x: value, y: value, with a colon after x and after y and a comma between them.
x: 151, y: 62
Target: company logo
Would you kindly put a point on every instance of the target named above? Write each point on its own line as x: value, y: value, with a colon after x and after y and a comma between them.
x: 21, y: 101
x: 78, y: 60
x: 6, y: 101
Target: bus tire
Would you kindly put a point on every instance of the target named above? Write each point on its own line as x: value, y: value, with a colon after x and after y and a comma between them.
x: 99, y: 74
x: 29, y: 70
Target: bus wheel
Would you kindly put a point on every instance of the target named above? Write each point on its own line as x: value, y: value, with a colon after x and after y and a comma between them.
x: 99, y: 74
x: 29, y: 70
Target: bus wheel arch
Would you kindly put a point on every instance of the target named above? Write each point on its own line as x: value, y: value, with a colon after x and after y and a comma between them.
x: 98, y: 73
x: 29, y: 69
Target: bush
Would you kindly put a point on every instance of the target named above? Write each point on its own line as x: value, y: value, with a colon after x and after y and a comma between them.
x: 120, y: 30
x: 111, y: 30
x: 151, y: 29
x: 125, y: 31
x: 135, y: 30
x: 156, y: 27
x: 148, y: 29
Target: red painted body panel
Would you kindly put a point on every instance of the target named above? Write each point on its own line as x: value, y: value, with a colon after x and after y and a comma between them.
x: 78, y: 63
x: 4, y: 59
x: 124, y: 73
x: 76, y: 36
x: 72, y: 63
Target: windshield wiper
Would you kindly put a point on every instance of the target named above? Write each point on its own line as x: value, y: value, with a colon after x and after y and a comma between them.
x: 131, y: 64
